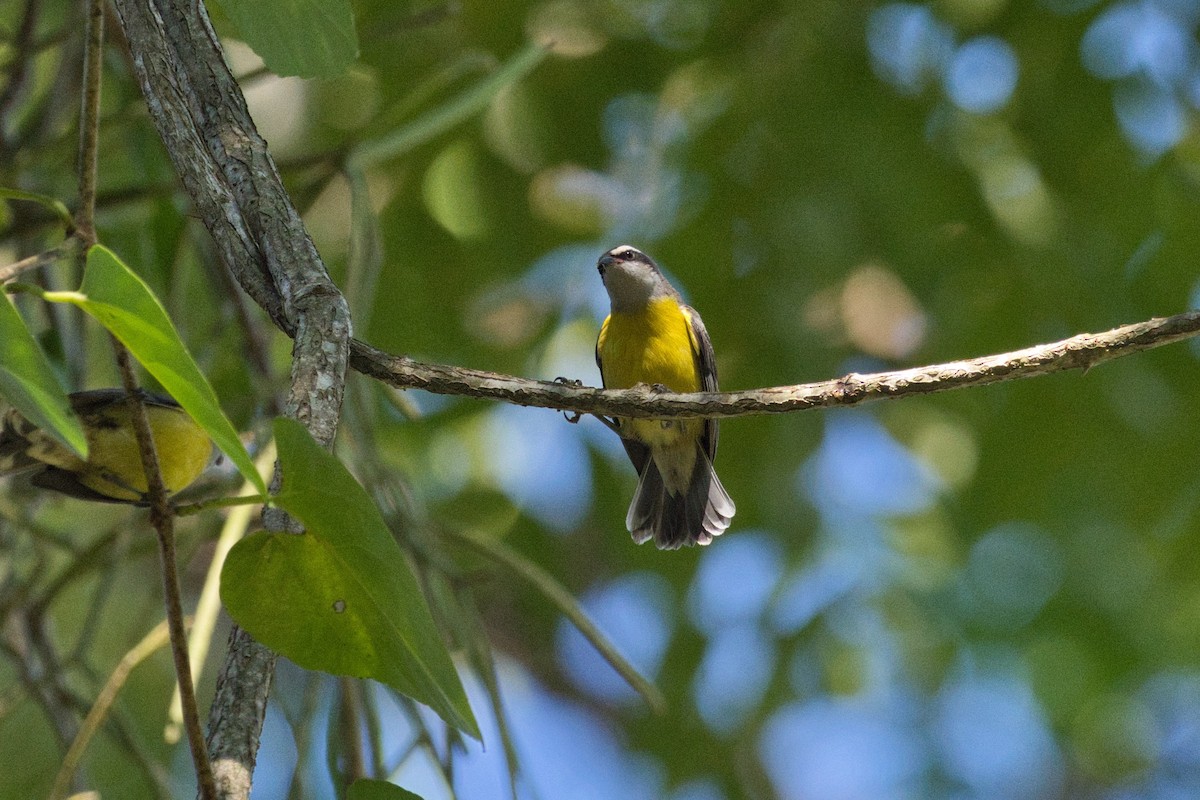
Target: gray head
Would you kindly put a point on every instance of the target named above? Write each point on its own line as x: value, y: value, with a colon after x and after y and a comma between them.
x: 631, y: 278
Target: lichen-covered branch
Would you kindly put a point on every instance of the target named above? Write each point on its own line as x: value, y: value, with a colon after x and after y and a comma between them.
x: 1083, y: 351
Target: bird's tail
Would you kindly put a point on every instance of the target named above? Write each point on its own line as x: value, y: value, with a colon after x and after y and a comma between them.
x: 673, y: 520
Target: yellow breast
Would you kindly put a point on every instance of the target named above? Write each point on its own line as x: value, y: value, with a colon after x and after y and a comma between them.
x: 652, y: 346
x: 183, y: 452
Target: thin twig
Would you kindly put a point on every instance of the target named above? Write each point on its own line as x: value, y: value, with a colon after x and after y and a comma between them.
x: 349, y: 723
x: 89, y: 124
x: 254, y: 337
x: 479, y: 654
x: 104, y: 589
x: 65, y: 249
x: 237, y: 522
x: 41, y: 677
x: 302, y: 731
x: 25, y: 43
x: 191, y: 509
x: 569, y: 606
x: 152, y: 641
x: 1083, y: 351
x: 374, y: 730
x: 163, y: 520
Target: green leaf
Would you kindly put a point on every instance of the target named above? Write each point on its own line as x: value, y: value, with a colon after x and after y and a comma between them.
x: 305, y: 38
x: 123, y: 303
x: 367, y: 789
x: 470, y: 102
x: 341, y: 597
x: 55, y: 205
x: 29, y: 383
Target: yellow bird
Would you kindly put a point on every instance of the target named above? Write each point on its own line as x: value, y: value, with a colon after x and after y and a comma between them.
x: 651, y: 337
x: 113, y: 470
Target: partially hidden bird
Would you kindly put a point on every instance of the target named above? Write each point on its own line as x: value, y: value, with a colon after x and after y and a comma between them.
x: 652, y: 337
x: 112, y: 472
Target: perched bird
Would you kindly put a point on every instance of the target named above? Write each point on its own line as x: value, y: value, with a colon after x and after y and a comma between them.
x: 652, y: 337
x: 113, y: 470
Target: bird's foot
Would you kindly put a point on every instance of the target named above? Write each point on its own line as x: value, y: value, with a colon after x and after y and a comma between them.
x: 652, y: 388
x: 572, y: 417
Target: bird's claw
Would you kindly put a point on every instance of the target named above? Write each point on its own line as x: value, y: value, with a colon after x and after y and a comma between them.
x: 572, y: 417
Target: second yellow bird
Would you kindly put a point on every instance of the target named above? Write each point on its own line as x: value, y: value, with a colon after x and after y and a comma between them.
x: 113, y: 470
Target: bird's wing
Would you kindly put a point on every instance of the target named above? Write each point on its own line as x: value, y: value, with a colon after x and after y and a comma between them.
x: 706, y: 364
x: 599, y: 344
x: 94, y: 401
x: 64, y: 482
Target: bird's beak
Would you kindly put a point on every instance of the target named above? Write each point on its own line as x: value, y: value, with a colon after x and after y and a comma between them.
x: 604, y: 263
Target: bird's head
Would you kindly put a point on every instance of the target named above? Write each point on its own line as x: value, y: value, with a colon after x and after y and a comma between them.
x: 631, y: 278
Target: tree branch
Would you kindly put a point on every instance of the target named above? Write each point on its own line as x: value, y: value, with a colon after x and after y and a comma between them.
x: 224, y: 164
x: 184, y: 103
x: 89, y: 124
x: 162, y: 519
x: 1083, y: 351
x: 71, y: 247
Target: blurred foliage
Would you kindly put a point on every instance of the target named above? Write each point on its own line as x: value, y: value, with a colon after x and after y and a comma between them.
x: 984, y: 593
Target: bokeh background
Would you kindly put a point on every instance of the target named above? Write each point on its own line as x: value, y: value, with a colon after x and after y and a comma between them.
x: 990, y: 593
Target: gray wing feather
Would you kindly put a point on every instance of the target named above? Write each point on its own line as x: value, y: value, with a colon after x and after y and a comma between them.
x: 707, y: 362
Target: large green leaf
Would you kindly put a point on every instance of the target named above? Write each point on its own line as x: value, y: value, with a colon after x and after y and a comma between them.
x: 340, y: 598
x: 367, y: 789
x: 305, y: 38
x: 123, y: 303
x: 29, y: 383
